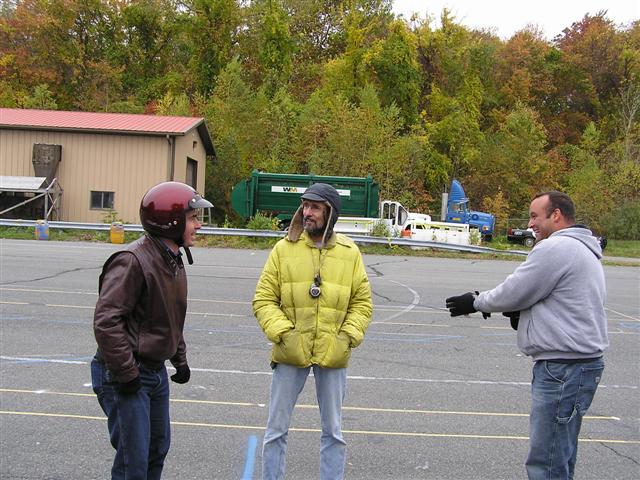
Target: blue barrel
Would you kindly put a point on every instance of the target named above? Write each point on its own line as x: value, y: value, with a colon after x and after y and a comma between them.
x: 42, y: 230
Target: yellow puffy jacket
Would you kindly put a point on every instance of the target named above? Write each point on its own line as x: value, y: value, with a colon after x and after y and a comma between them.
x: 313, y: 331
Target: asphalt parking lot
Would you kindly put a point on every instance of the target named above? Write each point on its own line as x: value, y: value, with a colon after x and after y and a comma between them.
x: 428, y: 396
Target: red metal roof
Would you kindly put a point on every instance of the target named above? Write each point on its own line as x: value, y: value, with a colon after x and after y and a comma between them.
x: 105, y: 123
x: 116, y: 122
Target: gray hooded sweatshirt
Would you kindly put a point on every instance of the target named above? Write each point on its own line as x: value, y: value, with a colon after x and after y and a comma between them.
x: 560, y: 292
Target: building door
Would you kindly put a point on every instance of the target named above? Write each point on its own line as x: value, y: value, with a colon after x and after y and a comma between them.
x: 192, y: 173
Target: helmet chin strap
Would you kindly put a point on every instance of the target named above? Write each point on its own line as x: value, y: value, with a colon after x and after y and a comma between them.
x: 188, y: 253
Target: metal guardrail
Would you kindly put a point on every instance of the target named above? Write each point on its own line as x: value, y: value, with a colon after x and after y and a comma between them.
x: 241, y: 232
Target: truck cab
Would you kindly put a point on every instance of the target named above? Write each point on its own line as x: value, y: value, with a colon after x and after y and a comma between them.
x: 398, y: 217
x: 458, y: 212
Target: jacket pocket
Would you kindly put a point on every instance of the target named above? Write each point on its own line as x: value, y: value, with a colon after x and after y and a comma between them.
x: 290, y: 350
x: 338, y: 353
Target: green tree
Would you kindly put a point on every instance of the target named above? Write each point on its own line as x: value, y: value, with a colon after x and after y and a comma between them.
x: 453, y: 125
x: 211, y: 26
x: 173, y: 105
x: 271, y: 137
x: 337, y: 137
x: 230, y: 114
x: 150, y: 49
x: 269, y: 45
x: 586, y: 186
x: 513, y: 161
x: 396, y: 70
x: 41, y: 99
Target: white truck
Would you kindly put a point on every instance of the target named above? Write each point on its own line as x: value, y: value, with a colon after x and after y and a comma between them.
x: 400, y: 222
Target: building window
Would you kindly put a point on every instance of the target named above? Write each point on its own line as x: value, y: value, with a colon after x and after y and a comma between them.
x: 102, y: 200
x: 192, y: 173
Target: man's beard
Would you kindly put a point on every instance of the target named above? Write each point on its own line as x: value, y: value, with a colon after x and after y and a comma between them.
x: 313, y: 229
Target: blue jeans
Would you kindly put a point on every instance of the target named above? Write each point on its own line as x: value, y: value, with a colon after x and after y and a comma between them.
x: 286, y: 385
x: 561, y: 395
x: 138, y: 423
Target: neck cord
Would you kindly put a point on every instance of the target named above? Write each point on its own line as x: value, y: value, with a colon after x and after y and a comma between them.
x: 317, y: 279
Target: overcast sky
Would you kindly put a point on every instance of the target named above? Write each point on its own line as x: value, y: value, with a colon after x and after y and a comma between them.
x: 505, y: 17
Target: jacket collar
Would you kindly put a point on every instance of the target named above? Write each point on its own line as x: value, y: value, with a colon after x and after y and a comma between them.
x: 173, y: 260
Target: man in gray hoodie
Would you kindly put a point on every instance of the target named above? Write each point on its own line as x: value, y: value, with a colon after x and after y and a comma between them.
x: 555, y: 300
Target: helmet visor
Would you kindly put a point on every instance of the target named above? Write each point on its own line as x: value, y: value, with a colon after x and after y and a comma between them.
x: 198, y: 202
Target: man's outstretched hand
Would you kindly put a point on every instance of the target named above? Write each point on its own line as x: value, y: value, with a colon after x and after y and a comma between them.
x: 463, y: 305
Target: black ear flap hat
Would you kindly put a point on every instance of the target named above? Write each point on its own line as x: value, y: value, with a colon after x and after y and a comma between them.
x: 318, y: 192
x: 322, y: 192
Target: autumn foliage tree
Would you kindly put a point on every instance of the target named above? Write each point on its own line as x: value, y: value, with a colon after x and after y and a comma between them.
x: 345, y: 87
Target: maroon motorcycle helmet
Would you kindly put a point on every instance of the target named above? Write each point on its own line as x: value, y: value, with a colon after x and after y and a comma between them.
x: 163, y: 210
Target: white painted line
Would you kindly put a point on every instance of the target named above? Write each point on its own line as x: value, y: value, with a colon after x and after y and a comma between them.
x: 41, y: 290
x: 68, y: 306
x: 623, y: 315
x: 408, y: 308
x: 43, y: 360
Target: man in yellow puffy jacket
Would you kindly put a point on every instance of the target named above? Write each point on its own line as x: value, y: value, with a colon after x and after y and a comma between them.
x: 313, y: 301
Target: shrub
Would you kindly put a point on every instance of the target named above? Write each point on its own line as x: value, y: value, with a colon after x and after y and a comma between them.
x: 623, y: 223
x: 381, y: 229
x: 262, y: 221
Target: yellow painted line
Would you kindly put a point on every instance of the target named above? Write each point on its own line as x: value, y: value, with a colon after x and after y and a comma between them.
x: 317, y: 430
x: 56, y: 415
x: 15, y: 303
x: 305, y: 406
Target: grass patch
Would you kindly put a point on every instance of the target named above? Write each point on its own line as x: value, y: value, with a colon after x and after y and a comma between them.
x: 57, y: 234
x: 623, y: 248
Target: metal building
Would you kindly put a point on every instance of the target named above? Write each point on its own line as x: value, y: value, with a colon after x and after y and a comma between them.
x: 88, y: 167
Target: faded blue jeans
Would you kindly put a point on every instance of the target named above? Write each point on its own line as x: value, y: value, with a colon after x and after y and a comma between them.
x: 138, y: 423
x: 286, y: 385
x: 561, y: 395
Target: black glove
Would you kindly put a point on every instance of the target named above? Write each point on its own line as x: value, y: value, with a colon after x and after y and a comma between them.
x: 514, y: 318
x: 461, y: 305
x: 132, y: 386
x: 182, y: 375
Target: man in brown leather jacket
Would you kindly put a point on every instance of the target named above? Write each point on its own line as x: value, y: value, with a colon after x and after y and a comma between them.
x: 138, y: 325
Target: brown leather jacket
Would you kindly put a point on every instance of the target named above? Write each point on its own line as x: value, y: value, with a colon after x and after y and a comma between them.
x: 141, y: 309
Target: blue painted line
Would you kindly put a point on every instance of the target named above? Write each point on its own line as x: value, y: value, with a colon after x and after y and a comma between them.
x: 249, y: 462
x: 633, y: 326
